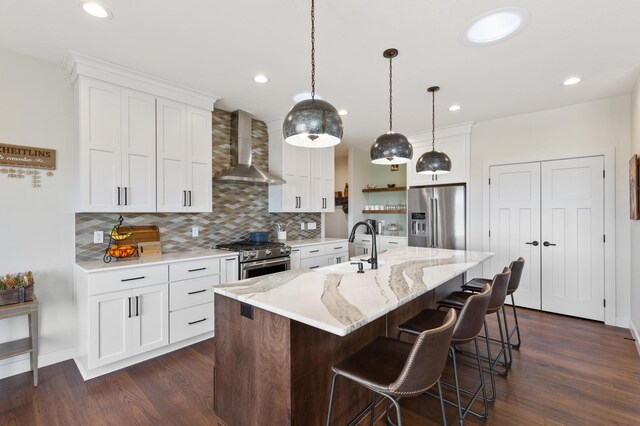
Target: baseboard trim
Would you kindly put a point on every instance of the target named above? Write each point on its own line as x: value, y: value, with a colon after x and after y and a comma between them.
x: 22, y: 363
x: 635, y: 335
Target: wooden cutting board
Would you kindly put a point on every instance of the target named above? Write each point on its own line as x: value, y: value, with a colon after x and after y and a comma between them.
x: 149, y: 249
x: 145, y: 233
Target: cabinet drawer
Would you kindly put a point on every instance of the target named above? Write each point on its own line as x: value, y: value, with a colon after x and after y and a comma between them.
x: 186, y: 293
x: 190, y: 322
x: 312, y: 251
x: 105, y: 282
x: 194, y: 269
x: 313, y: 262
x: 392, y: 242
x: 363, y: 239
x: 333, y: 248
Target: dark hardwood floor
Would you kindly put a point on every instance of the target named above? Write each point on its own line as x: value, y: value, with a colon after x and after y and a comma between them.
x: 568, y: 372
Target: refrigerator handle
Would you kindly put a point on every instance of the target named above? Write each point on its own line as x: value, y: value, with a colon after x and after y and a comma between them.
x: 436, y: 233
x: 431, y: 243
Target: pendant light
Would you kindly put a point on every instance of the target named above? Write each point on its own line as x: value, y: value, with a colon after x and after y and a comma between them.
x: 312, y: 123
x: 391, y: 147
x: 433, y: 162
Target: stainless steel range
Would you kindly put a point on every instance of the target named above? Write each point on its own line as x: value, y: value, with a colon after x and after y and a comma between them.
x: 257, y: 259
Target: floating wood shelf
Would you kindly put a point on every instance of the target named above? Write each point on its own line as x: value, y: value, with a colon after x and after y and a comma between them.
x: 385, y: 211
x: 395, y: 188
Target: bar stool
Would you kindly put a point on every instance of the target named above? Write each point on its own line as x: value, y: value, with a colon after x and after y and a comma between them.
x: 395, y: 369
x: 517, y: 266
x: 498, y: 294
x: 468, y: 326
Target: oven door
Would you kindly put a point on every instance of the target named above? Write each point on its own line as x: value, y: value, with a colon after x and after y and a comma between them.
x: 264, y: 267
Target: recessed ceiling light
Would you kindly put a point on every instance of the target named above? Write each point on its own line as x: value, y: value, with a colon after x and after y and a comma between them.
x: 343, y: 112
x: 496, y: 26
x: 454, y: 108
x: 260, y: 78
x: 571, y: 81
x: 299, y: 97
x: 97, y: 10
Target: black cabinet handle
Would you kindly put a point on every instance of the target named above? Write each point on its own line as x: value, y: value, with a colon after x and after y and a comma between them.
x: 184, y: 198
x: 196, y: 292
x: 547, y: 244
x: 195, y: 322
x: 126, y: 202
x: 338, y: 248
x: 137, y: 307
x: 197, y: 269
x: 118, y: 195
x: 230, y: 259
x: 392, y: 242
x: 533, y: 243
x: 314, y: 251
x: 314, y: 267
x: 132, y: 279
x: 189, y: 198
x: 128, y: 298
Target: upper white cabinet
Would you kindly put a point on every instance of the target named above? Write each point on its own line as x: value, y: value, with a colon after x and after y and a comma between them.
x: 184, y: 158
x: 144, y: 145
x: 454, y: 141
x: 308, y: 172
x: 117, y: 141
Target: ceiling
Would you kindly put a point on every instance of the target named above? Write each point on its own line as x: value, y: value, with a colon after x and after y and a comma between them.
x: 217, y: 46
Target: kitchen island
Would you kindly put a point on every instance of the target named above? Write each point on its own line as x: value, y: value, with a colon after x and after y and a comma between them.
x: 277, y: 336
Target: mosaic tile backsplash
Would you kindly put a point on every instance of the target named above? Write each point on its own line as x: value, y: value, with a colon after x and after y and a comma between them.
x: 238, y: 207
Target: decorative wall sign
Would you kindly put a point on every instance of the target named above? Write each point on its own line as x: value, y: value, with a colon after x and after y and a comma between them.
x: 633, y: 187
x: 27, y: 156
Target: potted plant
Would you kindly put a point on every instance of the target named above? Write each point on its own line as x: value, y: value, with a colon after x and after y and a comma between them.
x: 16, y: 288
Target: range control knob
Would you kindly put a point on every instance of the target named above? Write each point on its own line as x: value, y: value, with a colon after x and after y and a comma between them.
x: 288, y: 249
x: 253, y: 254
x: 267, y: 252
x: 283, y: 250
x: 245, y: 254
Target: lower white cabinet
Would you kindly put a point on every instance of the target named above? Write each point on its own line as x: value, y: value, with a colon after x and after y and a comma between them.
x: 317, y: 255
x: 362, y: 243
x: 126, y: 323
x: 129, y: 314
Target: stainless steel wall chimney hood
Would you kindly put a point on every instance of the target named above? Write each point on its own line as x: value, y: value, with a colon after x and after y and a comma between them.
x: 244, y: 171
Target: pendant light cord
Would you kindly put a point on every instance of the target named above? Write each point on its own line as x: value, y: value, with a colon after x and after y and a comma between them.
x: 433, y: 120
x: 390, y: 94
x: 313, y: 50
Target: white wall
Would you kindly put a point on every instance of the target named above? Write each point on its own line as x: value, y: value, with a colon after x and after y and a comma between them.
x: 589, y: 126
x: 36, y: 109
x: 635, y: 224
x: 336, y: 223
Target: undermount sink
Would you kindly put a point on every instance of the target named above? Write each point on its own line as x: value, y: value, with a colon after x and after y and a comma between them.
x: 345, y: 268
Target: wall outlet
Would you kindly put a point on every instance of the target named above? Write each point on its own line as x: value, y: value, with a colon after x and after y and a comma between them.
x: 311, y: 225
x: 98, y: 237
x: 195, y: 231
x: 302, y: 226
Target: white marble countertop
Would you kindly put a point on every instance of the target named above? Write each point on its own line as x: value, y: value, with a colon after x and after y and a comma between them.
x: 312, y: 241
x: 341, y: 303
x: 99, y: 265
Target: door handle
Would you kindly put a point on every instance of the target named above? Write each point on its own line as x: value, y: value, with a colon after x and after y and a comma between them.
x: 547, y: 244
x: 189, y: 198
x: 128, y: 298
x: 126, y: 202
x: 534, y: 243
x: 118, y: 195
x: 137, y: 307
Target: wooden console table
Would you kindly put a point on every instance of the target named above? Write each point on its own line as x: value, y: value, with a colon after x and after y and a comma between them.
x: 27, y: 344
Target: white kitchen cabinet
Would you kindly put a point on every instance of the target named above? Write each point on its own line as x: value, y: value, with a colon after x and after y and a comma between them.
x: 313, y: 262
x: 120, y: 167
x: 126, y: 323
x: 295, y: 258
x: 453, y: 141
x: 386, y: 242
x: 229, y: 269
x: 309, y: 176
x: 116, y: 148
x: 183, y: 158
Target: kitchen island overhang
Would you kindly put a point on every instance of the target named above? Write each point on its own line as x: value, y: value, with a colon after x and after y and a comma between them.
x: 277, y: 365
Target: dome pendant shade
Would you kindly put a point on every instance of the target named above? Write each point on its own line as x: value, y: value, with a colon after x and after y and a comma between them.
x: 312, y: 123
x: 391, y: 148
x: 433, y: 163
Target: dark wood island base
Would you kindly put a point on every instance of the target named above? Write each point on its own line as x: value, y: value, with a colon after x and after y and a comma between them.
x: 274, y: 370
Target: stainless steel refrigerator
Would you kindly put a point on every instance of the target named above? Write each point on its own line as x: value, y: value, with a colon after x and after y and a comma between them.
x: 437, y: 216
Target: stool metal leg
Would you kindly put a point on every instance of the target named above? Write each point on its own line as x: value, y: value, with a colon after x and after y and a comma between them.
x: 457, y: 385
x: 397, y: 406
x: 503, y: 349
x: 373, y: 408
x: 517, y: 328
x: 333, y: 388
x: 484, y: 390
x: 493, y: 378
x: 444, y: 414
x: 506, y: 332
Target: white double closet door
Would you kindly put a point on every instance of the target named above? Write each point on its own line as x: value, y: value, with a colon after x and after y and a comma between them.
x: 552, y: 214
